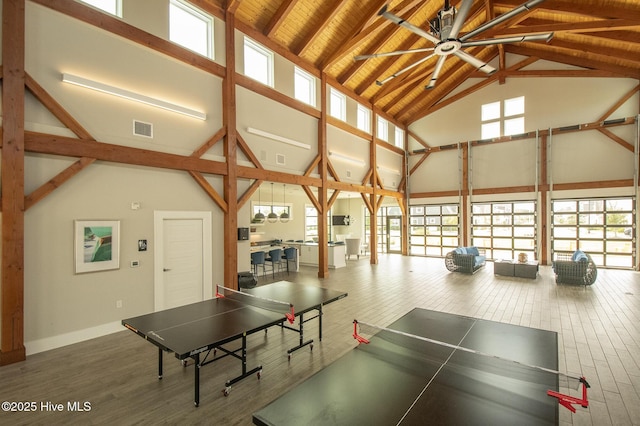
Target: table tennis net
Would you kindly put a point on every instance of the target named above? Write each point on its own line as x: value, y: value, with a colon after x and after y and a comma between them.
x: 442, y: 353
x: 285, y: 308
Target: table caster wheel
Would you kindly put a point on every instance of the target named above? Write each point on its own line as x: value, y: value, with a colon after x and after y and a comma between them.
x: 184, y: 363
x: 288, y: 357
x: 226, y: 391
x: 259, y: 374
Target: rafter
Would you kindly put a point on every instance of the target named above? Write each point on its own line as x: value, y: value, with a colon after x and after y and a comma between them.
x: 325, y: 21
x: 369, y: 31
x: 277, y: 19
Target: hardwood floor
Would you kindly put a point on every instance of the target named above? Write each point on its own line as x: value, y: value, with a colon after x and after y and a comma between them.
x: 598, y: 331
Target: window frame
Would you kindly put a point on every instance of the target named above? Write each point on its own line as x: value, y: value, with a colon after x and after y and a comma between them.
x: 257, y: 48
x: 495, y: 126
x: 311, y: 89
x: 399, y: 137
x: 382, y: 123
x: 342, y: 104
x: 197, y: 14
x: 116, y: 3
x: 364, y: 123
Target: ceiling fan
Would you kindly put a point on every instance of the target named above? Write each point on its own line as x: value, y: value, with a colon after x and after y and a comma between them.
x: 444, y: 34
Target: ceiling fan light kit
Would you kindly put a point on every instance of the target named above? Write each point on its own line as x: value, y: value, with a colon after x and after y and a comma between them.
x: 444, y: 34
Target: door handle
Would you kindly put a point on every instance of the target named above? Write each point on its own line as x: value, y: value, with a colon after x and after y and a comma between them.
x: 165, y: 270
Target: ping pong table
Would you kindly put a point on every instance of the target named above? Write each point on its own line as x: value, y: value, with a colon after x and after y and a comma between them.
x: 209, y: 326
x: 399, y: 380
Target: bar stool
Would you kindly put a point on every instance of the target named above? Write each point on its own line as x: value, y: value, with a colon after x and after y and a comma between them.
x: 290, y: 255
x: 275, y: 258
x: 258, y: 259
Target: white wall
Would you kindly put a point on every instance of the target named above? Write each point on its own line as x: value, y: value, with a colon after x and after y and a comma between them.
x: 549, y: 103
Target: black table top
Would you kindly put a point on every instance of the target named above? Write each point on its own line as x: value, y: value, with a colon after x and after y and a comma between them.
x: 401, y: 380
x: 189, y: 329
x: 303, y: 297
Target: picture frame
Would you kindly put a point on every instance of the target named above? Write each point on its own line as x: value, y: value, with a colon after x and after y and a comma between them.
x: 97, y: 245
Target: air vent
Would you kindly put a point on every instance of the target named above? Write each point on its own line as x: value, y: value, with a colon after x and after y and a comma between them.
x: 142, y: 129
x: 348, y: 173
x: 280, y: 159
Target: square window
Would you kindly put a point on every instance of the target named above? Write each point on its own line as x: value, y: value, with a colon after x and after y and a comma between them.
x: 191, y: 28
x: 491, y: 111
x: 514, y: 106
x: 491, y: 130
x: 337, y: 104
x: 364, y: 119
x: 258, y: 62
x: 304, y: 87
x: 514, y: 126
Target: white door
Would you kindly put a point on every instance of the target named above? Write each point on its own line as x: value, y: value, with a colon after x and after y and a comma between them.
x: 183, y: 258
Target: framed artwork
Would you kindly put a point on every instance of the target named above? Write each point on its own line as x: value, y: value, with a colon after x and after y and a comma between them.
x: 97, y: 245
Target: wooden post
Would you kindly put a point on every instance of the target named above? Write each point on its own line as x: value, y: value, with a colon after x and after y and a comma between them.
x: 13, y: 84
x: 323, y: 258
x: 231, y: 152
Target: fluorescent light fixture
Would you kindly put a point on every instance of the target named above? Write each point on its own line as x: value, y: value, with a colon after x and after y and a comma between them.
x: 344, y: 157
x: 277, y: 138
x: 388, y: 170
x: 132, y: 96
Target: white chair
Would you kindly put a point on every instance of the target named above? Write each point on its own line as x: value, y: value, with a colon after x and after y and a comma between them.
x: 353, y: 247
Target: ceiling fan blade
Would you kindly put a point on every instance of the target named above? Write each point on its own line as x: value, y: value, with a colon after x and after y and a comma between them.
x: 436, y: 73
x: 399, y: 21
x: 402, y: 71
x: 396, y: 53
x: 499, y: 19
x: 481, y: 65
x: 461, y: 16
x: 502, y: 40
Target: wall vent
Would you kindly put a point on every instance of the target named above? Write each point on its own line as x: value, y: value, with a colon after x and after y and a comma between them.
x: 280, y: 159
x: 143, y: 129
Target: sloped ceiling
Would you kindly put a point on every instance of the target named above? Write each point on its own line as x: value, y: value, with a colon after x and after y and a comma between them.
x: 591, y: 38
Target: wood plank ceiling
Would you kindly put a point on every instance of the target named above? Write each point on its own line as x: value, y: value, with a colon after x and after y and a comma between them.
x: 592, y: 38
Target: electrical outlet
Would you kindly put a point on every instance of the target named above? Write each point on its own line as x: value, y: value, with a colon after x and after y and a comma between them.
x: 118, y: 304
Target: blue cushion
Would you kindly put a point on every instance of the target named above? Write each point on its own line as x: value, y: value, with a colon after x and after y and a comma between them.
x: 460, y: 250
x: 473, y: 250
x: 579, y: 256
x: 479, y: 260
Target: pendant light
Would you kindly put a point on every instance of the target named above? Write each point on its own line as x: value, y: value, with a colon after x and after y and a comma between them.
x: 272, y: 217
x: 284, y: 216
x: 259, y: 217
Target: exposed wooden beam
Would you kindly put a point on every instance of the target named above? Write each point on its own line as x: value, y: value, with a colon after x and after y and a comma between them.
x: 366, y: 20
x: 71, y: 147
x: 210, y: 143
x: 572, y: 59
x: 56, y: 109
x: 249, y: 192
x: 57, y: 181
x: 230, y: 178
x: 279, y: 17
x: 332, y: 11
x: 12, y: 180
x: 211, y: 192
x: 367, y: 32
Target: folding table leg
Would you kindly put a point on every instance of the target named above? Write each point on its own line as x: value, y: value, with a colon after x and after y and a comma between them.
x: 159, y: 364
x: 197, y: 379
